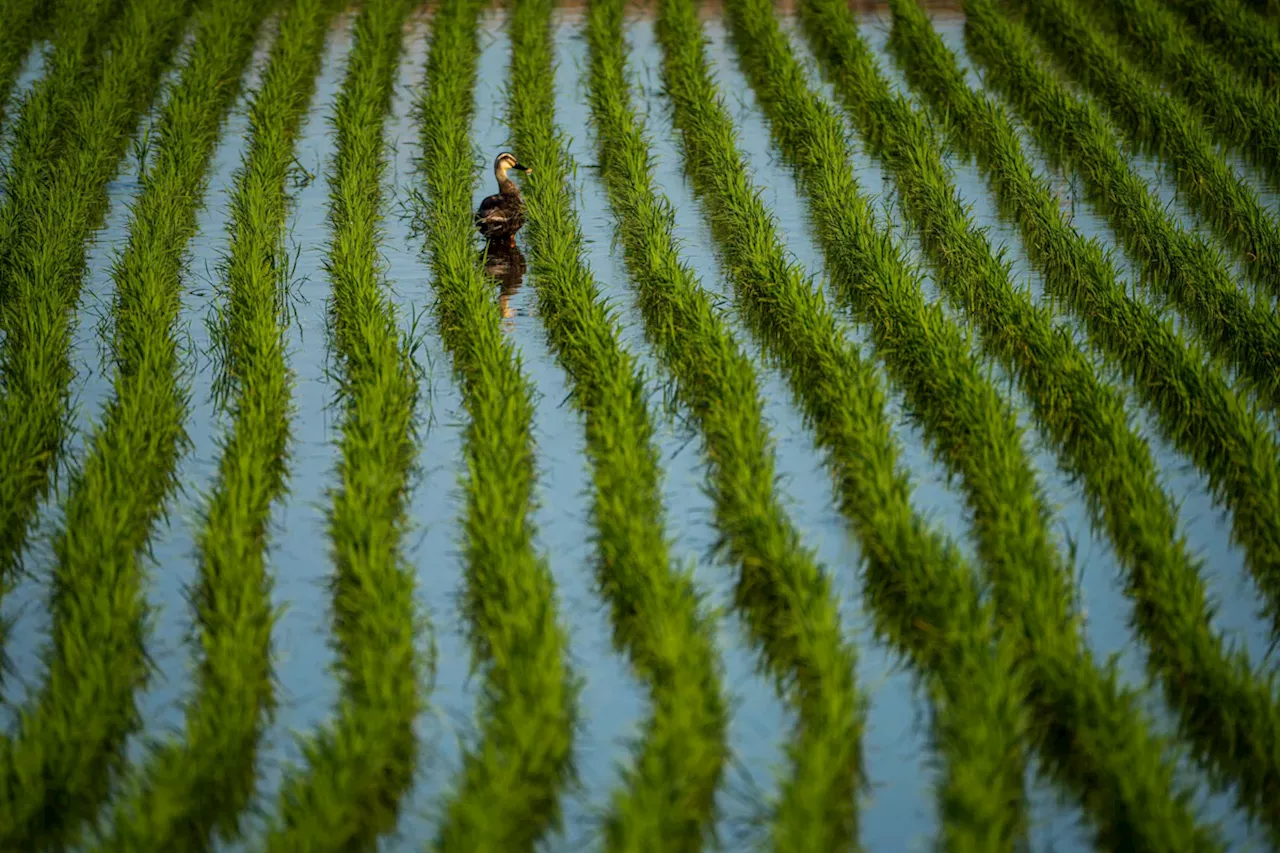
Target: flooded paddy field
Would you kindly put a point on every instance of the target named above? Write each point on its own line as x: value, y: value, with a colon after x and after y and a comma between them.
x: 868, y: 441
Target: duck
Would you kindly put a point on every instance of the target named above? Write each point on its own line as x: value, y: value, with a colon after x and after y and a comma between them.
x: 501, y: 215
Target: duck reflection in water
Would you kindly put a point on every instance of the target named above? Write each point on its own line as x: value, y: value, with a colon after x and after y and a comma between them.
x: 505, y: 262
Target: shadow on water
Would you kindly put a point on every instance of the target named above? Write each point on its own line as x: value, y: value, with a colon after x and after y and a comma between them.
x: 506, y: 264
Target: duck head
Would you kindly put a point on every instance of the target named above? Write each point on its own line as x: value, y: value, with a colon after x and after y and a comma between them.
x: 505, y: 161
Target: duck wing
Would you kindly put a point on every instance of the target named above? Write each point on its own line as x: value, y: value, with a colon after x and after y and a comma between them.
x: 490, y: 209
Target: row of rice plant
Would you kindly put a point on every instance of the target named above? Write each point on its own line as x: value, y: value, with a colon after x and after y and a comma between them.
x: 782, y: 592
x: 1250, y: 41
x: 42, y: 125
x: 1177, y: 264
x: 668, y: 796
x: 1194, y: 404
x: 924, y: 599
x: 1215, y: 692
x: 1125, y: 781
x: 199, y: 785
x: 24, y: 179
x: 119, y: 493
x: 1239, y: 112
x: 57, y: 768
x: 1079, y: 135
x: 359, y: 769
x: 44, y: 122
x: 508, y: 796
x: 1160, y: 125
x: 22, y: 22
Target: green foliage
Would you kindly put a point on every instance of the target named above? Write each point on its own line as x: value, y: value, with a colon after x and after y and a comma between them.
x: 508, y: 796
x: 1196, y: 412
x: 189, y: 789
x: 43, y: 124
x: 38, y: 184
x: 1125, y: 779
x: 1160, y: 125
x: 1249, y: 40
x: 923, y: 598
x: 781, y: 590
x: 359, y: 770
x: 667, y: 801
x: 21, y: 23
x: 1217, y: 694
x: 57, y: 770
x: 1239, y: 112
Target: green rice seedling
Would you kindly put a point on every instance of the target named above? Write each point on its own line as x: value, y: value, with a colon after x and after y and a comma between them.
x: 21, y: 23
x: 924, y: 600
x: 667, y: 800
x: 42, y: 126
x: 133, y: 455
x: 1179, y: 265
x: 1250, y: 40
x: 1126, y: 779
x: 191, y: 789
x: 1239, y: 112
x: 359, y: 769
x: 1215, y: 692
x: 1167, y: 254
x: 1160, y: 125
x: 508, y: 795
x: 57, y: 769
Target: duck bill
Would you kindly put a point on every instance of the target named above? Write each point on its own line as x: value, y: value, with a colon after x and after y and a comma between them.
x: 523, y: 168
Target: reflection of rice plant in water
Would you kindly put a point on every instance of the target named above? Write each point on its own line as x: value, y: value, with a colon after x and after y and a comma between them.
x: 605, y: 307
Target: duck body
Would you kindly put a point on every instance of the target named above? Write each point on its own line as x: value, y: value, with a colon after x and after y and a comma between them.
x: 501, y: 215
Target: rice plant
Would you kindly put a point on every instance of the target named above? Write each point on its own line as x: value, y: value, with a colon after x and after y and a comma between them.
x: 43, y: 126
x: 21, y: 23
x: 511, y: 781
x: 359, y: 769
x: 1239, y: 113
x: 57, y: 769
x: 1160, y: 125
x: 1251, y: 41
x: 1127, y: 786
x: 1215, y: 691
x: 782, y: 592
x: 925, y: 600
x: 667, y: 800
x: 192, y: 788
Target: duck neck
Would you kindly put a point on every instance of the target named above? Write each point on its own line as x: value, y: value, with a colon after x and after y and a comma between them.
x: 506, y: 186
